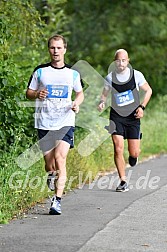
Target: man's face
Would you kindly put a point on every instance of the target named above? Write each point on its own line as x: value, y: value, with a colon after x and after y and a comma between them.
x: 57, y: 50
x: 121, y: 61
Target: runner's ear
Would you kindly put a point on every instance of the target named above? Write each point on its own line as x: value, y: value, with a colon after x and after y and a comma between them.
x: 65, y: 49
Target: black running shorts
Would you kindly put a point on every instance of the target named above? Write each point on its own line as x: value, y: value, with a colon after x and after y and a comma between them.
x: 129, y: 128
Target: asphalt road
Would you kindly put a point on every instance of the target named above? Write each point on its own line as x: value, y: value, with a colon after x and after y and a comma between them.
x: 96, y: 218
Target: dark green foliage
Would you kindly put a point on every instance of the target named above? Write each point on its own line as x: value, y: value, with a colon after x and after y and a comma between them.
x: 19, y: 26
x: 94, y: 31
x: 99, y: 28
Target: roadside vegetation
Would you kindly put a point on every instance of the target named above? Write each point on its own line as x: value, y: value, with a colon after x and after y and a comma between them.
x: 93, y: 35
x: 23, y: 188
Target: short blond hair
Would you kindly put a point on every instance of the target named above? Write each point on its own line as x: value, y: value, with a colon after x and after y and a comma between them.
x: 57, y: 37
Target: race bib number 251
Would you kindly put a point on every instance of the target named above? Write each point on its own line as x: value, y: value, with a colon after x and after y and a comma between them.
x: 57, y: 91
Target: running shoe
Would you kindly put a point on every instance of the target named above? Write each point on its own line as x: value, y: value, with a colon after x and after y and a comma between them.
x: 55, y: 208
x: 51, y: 181
x: 123, y: 187
x: 132, y: 161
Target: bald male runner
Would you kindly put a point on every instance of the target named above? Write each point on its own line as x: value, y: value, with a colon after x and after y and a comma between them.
x: 124, y: 83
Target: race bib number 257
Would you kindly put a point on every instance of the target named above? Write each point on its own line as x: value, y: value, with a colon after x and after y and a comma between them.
x: 57, y: 91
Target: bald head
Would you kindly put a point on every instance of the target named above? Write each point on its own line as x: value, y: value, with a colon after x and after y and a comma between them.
x: 121, y: 53
x: 121, y: 60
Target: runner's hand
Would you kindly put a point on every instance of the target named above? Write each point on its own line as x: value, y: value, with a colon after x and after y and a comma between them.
x: 75, y: 107
x: 101, y: 106
x: 139, y: 113
x: 42, y: 94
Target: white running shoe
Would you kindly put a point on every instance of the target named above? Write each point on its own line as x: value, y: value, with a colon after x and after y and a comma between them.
x: 51, y: 181
x: 55, y: 208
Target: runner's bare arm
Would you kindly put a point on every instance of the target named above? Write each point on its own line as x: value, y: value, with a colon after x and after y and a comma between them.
x: 148, y: 92
x: 103, y: 98
x: 34, y: 94
x: 79, y: 97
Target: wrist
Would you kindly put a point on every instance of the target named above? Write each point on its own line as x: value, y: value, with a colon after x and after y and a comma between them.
x: 36, y: 94
x: 141, y: 106
x: 76, y: 102
x: 101, y: 102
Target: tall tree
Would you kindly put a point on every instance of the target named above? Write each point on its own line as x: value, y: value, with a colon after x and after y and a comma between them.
x: 20, y: 31
x: 98, y: 29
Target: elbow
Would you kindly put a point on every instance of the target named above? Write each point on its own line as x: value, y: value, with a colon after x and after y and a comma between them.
x: 151, y: 91
x: 83, y: 96
x: 27, y: 94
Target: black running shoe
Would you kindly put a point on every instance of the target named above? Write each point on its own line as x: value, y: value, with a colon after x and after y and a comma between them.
x: 132, y: 161
x: 123, y: 187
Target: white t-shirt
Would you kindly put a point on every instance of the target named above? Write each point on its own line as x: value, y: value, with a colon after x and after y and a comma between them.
x: 55, y: 111
x: 124, y: 77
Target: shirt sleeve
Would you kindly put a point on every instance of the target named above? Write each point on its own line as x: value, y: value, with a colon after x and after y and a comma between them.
x: 139, y: 78
x: 108, y: 82
x: 77, y: 82
x: 33, y: 82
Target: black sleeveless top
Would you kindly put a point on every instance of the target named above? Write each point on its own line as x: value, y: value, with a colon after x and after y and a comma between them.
x: 125, y: 96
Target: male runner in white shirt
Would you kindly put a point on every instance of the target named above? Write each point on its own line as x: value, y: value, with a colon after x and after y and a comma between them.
x: 51, y: 85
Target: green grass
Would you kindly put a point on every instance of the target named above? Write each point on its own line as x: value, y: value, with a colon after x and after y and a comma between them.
x: 154, y: 127
x: 20, y: 189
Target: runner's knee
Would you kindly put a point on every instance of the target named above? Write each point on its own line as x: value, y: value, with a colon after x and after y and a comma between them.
x: 118, y: 149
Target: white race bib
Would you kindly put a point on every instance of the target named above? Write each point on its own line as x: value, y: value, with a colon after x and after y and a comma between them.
x: 57, y: 91
x: 124, y: 98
